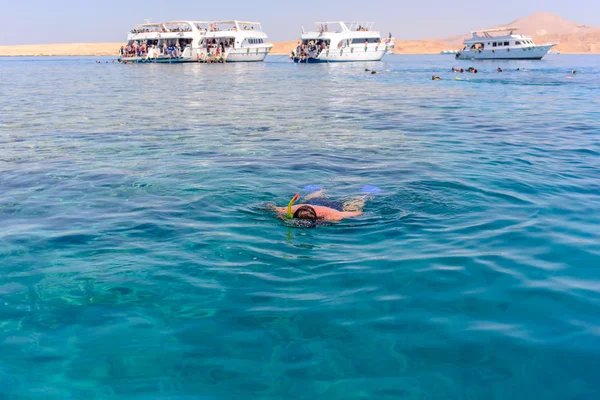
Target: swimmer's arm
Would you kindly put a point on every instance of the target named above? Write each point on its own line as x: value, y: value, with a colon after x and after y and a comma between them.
x: 352, y: 214
x: 340, y: 215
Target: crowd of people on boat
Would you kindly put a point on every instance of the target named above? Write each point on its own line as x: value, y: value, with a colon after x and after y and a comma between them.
x: 137, y: 49
x: 134, y: 50
x: 217, y: 48
x: 312, y: 49
x: 214, y: 48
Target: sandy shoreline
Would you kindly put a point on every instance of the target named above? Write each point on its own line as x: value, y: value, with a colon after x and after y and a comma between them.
x: 66, y: 49
x: 280, y: 48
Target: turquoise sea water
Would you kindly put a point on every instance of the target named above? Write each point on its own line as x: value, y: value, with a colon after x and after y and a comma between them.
x: 137, y: 260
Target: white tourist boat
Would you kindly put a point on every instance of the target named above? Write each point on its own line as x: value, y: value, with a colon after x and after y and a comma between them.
x: 196, y: 41
x: 342, y: 41
x: 509, y: 46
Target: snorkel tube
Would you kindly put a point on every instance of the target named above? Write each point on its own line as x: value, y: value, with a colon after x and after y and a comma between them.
x: 290, y: 214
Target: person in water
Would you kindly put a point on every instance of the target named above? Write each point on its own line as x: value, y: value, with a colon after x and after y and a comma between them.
x: 499, y: 69
x: 317, y: 206
x: 435, y: 78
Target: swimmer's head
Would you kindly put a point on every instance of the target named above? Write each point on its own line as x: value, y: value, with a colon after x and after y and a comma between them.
x: 306, y: 212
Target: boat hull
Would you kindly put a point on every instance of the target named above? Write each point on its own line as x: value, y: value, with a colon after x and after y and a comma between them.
x: 525, y: 53
x: 248, y: 54
x: 345, y: 55
x: 147, y: 60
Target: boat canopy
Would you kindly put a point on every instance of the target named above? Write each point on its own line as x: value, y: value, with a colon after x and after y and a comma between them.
x: 163, y: 27
x: 344, y: 26
x: 486, y: 32
x: 230, y: 25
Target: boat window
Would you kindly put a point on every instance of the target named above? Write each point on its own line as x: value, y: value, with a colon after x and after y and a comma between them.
x: 517, y: 43
x: 494, y: 44
x: 506, y: 43
x: 364, y: 40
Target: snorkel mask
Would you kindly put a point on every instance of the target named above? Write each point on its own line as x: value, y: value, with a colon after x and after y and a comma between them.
x: 290, y: 214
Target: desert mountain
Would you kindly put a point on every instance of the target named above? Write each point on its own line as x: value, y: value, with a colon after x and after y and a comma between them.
x: 544, y: 27
x: 543, y: 23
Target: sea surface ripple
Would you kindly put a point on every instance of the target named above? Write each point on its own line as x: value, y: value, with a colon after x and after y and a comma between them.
x: 138, y: 259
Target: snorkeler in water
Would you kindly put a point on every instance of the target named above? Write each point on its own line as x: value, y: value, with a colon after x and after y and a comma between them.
x: 318, y: 206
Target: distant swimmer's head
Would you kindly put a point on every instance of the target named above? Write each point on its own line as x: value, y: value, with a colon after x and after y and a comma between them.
x: 305, y: 212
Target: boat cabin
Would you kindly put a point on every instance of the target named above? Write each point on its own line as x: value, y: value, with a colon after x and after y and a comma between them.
x: 484, y: 40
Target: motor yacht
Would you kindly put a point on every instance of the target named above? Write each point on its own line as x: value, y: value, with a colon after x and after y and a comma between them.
x: 196, y: 41
x: 483, y: 45
x: 342, y: 42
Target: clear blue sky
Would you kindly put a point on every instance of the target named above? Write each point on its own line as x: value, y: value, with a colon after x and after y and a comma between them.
x: 64, y: 21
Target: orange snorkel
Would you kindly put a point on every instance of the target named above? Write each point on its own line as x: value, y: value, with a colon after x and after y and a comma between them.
x: 290, y: 215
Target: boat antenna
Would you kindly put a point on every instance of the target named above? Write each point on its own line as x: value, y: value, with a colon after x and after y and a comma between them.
x: 302, y: 29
